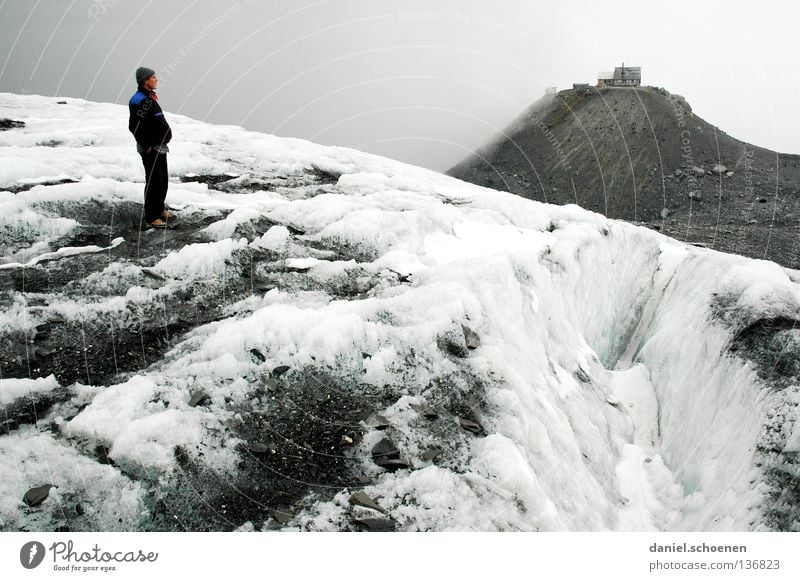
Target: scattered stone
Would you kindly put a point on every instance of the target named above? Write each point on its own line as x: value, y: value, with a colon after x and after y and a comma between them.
x: 362, y: 499
x: 256, y: 448
x: 42, y: 331
x: 61, y: 102
x: 677, y: 173
x: 425, y: 411
x: 152, y: 274
x: 347, y: 440
x: 101, y: 454
x: 37, y: 495
x: 197, y: 398
x: 280, y: 370
x: 470, y: 426
x: 762, y: 200
x: 431, y: 454
x: 295, y: 230
x: 458, y: 342
x: 471, y: 338
x: 300, y: 269
x: 258, y: 355
x: 6, y: 124
x: 665, y: 212
x: 719, y: 169
x: 210, y: 179
x: 695, y: 195
x: 393, y: 464
x: 728, y: 174
x: 385, y: 450
x: 376, y: 525
x: 376, y: 422
x: 386, y: 455
x: 698, y: 171
x: 282, y: 515
x: 265, y: 287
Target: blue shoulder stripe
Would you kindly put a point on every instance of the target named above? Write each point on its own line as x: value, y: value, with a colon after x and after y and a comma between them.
x: 137, y: 98
x: 159, y: 114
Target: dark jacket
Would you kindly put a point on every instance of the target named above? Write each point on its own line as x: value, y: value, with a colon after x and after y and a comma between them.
x: 147, y: 122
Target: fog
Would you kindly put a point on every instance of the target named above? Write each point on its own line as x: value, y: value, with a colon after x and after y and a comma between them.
x: 422, y: 82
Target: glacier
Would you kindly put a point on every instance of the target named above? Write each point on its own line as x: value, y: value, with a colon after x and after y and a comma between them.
x: 539, y: 367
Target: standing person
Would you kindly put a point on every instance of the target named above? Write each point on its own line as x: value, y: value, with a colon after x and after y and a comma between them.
x: 152, y: 133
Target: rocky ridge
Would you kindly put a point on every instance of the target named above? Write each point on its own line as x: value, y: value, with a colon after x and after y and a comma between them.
x: 642, y: 155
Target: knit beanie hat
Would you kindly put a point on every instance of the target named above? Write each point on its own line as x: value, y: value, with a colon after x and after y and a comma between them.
x: 142, y: 74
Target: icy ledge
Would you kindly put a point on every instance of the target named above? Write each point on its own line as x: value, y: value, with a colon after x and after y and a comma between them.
x: 691, y: 430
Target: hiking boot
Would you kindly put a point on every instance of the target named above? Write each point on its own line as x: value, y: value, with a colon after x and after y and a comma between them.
x: 158, y: 223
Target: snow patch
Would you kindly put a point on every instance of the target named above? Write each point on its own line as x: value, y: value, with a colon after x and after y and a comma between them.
x: 11, y: 388
x: 201, y: 259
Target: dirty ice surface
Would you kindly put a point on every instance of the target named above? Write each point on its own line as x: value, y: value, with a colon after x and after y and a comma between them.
x: 537, y: 367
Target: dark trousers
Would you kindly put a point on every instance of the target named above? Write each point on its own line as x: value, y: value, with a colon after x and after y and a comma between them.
x: 156, y: 183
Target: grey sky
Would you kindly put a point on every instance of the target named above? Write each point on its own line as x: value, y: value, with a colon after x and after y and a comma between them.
x: 420, y: 81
